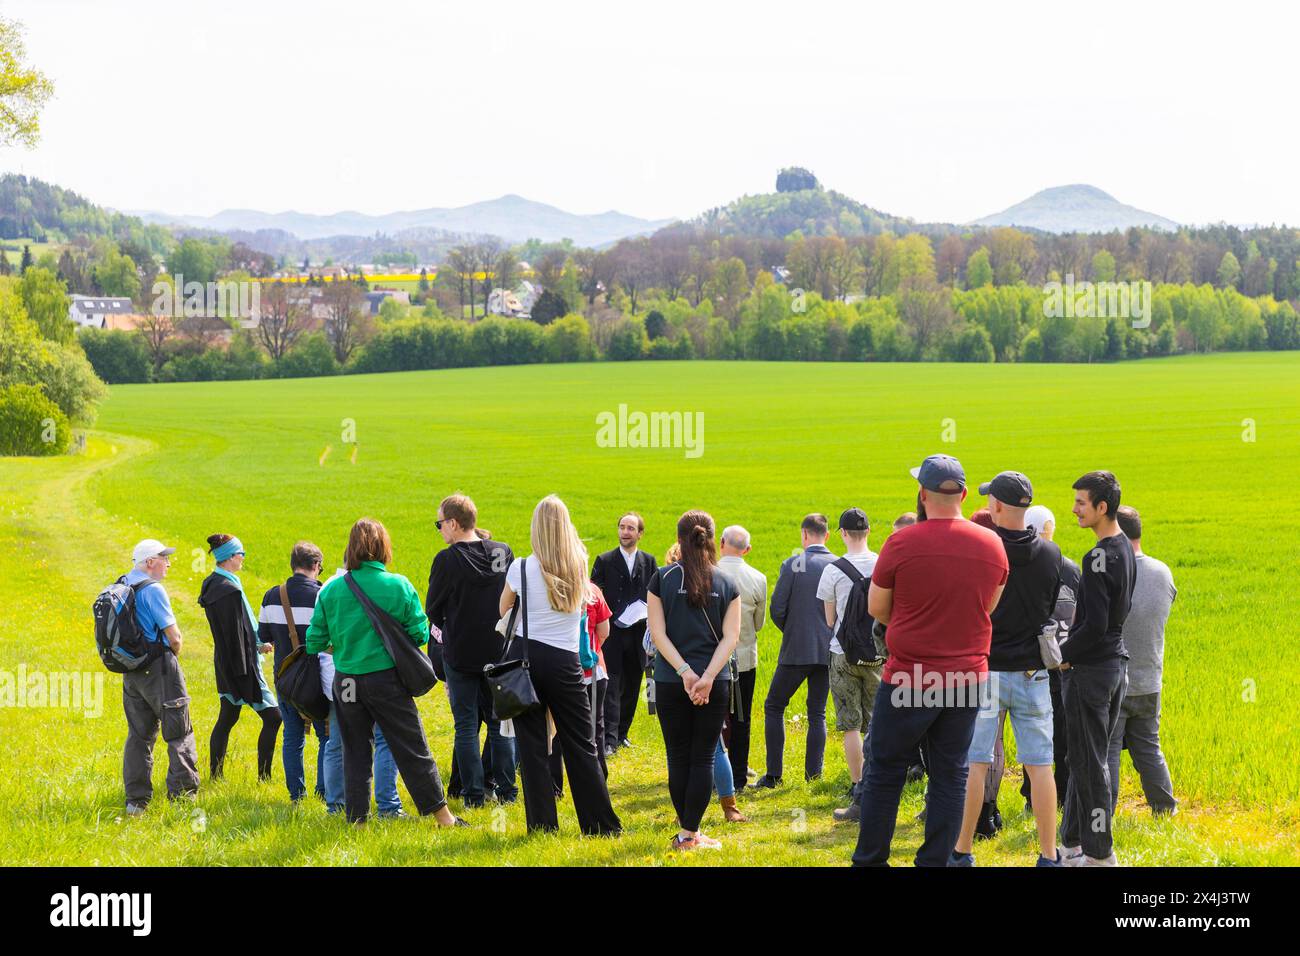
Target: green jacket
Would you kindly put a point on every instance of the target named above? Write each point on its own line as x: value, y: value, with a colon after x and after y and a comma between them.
x: 339, y: 623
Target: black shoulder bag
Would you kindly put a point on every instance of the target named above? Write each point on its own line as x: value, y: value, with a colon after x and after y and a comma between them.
x: 298, y: 678
x: 512, y: 688
x: 414, y: 669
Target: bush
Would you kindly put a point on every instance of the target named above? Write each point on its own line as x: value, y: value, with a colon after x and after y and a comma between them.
x: 416, y: 344
x: 117, y: 357
x: 569, y: 340
x: 67, y: 378
x: 311, y: 357
x: 628, y: 342
x: 971, y: 344
x: 500, y: 341
x: 548, y: 307
x: 679, y: 348
x: 31, y: 424
x: 206, y: 366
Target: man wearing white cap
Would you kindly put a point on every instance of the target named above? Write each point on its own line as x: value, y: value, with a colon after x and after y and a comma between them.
x: 155, y: 696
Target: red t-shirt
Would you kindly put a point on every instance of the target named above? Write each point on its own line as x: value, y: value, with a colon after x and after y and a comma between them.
x: 597, y: 611
x: 943, y: 572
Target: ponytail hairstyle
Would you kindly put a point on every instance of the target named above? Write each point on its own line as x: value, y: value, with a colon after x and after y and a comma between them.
x: 217, y: 540
x: 699, y: 555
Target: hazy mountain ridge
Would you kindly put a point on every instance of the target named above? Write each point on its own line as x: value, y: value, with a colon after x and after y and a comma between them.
x: 1075, y: 208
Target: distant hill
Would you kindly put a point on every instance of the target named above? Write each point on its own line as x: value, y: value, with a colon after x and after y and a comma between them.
x: 1077, y: 208
x: 512, y: 218
x: 813, y: 212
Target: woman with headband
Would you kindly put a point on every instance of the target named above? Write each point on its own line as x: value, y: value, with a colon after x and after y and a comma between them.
x: 236, y: 655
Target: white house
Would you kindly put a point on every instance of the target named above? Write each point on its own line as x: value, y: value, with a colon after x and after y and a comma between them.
x: 98, y: 311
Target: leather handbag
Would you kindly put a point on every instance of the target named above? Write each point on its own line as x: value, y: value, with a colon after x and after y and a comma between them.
x: 297, y: 680
x: 414, y: 669
x: 512, y: 688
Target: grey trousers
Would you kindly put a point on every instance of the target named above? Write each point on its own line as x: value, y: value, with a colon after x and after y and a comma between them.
x: 156, y: 698
x: 1139, y: 728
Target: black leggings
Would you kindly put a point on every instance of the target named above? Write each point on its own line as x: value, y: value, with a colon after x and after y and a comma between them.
x: 691, y: 739
x: 227, y: 719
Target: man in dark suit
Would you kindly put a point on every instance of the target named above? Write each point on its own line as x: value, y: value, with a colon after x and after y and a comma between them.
x: 624, y: 574
x: 805, y: 652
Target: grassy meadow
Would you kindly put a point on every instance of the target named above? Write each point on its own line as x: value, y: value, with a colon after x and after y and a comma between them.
x: 1205, y: 447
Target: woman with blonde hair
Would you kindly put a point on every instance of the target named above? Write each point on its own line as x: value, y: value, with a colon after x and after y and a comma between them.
x: 552, y: 582
x: 694, y: 622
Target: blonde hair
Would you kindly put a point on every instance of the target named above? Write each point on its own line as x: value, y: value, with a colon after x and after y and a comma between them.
x: 560, y: 554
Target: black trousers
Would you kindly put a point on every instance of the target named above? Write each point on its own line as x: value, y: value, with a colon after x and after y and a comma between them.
x: 738, y: 730
x: 1060, y: 745
x: 785, y: 681
x: 625, y: 660
x: 557, y: 749
x: 1093, y: 695
x: 227, y: 717
x: 557, y: 678
x: 691, y: 740
x: 363, y: 700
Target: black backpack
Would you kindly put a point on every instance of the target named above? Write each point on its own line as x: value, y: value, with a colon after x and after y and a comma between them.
x: 855, y: 626
x: 122, y: 646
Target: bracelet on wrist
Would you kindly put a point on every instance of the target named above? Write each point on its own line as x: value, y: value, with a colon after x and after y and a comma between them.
x: 683, y: 669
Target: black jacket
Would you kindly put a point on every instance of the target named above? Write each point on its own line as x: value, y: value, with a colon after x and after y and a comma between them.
x: 1027, y: 603
x: 621, y: 589
x: 463, y: 601
x: 1105, y: 594
x: 234, y: 642
x: 302, y: 602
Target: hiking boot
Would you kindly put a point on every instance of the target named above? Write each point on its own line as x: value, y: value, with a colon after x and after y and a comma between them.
x: 730, y: 812
x: 766, y: 782
x: 961, y: 859
x: 850, y: 814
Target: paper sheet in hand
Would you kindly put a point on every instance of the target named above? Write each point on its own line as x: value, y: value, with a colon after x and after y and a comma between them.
x: 636, y: 611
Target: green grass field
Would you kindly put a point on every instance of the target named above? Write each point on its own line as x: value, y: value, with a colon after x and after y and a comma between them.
x: 269, y: 461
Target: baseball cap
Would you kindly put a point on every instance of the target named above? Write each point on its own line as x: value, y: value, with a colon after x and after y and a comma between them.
x: 942, y: 474
x: 1010, y: 488
x: 150, y: 548
x: 854, y: 519
x: 1038, y: 516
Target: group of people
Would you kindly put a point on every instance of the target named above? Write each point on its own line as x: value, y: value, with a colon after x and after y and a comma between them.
x: 976, y: 620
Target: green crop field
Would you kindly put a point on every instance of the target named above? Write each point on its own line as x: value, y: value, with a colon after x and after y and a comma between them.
x: 1206, y: 448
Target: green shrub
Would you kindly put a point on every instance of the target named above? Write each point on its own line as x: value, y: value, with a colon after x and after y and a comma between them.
x: 118, y: 357
x: 628, y: 342
x: 311, y: 357
x: 569, y: 340
x: 500, y: 341
x: 31, y: 424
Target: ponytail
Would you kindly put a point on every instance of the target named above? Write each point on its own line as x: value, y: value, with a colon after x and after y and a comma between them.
x: 699, y: 555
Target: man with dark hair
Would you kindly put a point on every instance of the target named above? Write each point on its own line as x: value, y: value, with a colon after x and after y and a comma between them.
x: 623, y: 575
x: 805, y: 652
x: 465, y: 582
x: 1138, y: 727
x: 1093, y: 673
x: 934, y: 585
x: 299, y: 594
x: 1018, y: 684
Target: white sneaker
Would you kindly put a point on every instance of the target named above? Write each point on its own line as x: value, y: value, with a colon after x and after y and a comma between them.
x: 1104, y: 861
x: 1071, y: 855
x: 136, y: 809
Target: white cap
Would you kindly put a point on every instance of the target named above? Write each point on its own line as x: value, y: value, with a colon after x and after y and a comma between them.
x: 1037, y: 516
x: 149, y: 548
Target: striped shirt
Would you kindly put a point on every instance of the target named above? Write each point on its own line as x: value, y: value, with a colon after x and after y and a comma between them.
x: 273, y: 629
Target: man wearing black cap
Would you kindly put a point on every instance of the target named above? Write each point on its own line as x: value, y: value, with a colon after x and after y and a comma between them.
x: 934, y: 585
x: 853, y: 683
x: 1018, y: 680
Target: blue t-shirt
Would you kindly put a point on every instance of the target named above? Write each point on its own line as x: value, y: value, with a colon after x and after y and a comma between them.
x: 153, y: 608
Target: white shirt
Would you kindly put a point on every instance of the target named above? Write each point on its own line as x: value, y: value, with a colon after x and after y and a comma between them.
x: 556, y: 628
x: 628, y: 559
x: 836, y: 585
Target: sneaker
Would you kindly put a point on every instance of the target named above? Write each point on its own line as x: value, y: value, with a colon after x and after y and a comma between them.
x: 751, y: 773
x: 850, y: 814
x: 684, y: 843
x: 460, y: 823
x: 135, y: 809
x: 398, y: 814
x: 1070, y: 855
x: 961, y: 859
x: 989, y: 822
x: 766, y: 782
x: 610, y: 751
x: 1104, y: 861
x: 625, y: 743
x: 1044, y: 861
x: 705, y: 842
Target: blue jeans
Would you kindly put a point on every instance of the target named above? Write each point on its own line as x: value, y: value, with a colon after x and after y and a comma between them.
x: 291, y: 749
x: 896, y: 732
x: 469, y: 697
x: 722, y: 779
x: 385, y: 771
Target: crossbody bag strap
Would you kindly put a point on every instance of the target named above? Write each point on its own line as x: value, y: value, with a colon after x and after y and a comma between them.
x: 520, y: 607
x: 288, y: 615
